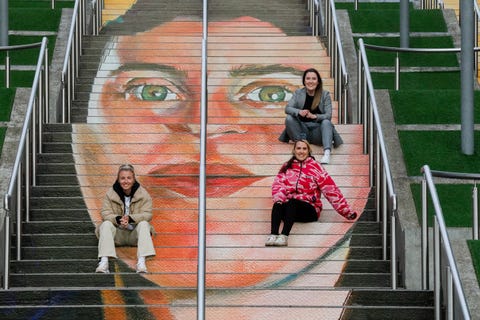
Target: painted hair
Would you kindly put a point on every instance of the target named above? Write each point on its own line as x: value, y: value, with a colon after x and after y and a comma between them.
x: 318, y: 91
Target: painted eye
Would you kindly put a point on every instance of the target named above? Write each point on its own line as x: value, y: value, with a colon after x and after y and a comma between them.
x: 153, y: 93
x: 269, y: 94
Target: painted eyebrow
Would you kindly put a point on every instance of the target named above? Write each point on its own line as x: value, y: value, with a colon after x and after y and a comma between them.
x: 257, y: 70
x: 151, y: 67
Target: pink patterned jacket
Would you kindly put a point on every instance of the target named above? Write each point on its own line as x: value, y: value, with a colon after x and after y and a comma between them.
x: 307, y: 181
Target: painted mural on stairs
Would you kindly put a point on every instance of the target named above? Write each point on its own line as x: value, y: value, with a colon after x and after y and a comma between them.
x: 145, y: 110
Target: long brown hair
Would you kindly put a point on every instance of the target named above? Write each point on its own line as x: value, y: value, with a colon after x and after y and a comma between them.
x: 318, y: 90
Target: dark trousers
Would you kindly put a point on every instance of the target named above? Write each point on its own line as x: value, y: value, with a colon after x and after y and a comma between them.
x: 291, y: 212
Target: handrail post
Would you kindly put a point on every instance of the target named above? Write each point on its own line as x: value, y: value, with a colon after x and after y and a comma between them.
x: 475, y: 213
x: 424, y: 241
x: 6, y: 264
x: 397, y: 72
x: 436, y: 267
x: 7, y: 70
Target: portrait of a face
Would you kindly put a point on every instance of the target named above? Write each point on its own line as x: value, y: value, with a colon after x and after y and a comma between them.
x: 145, y: 109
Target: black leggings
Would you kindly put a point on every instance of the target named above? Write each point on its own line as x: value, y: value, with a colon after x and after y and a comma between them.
x: 291, y: 212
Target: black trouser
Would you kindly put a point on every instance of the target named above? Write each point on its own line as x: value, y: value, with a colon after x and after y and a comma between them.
x: 291, y: 212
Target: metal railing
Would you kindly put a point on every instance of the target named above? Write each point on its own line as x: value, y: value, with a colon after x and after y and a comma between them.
x: 448, y: 291
x: 380, y: 174
x: 397, y: 50
x: 431, y: 4
x: 16, y: 200
x: 70, y: 68
x: 7, y: 50
x: 338, y: 69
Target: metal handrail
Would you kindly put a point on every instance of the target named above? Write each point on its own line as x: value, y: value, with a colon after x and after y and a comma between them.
x: 432, y: 4
x: 375, y: 146
x: 70, y: 68
x: 338, y: 69
x: 451, y: 284
x: 397, y: 50
x: 17, y: 198
x: 7, y: 57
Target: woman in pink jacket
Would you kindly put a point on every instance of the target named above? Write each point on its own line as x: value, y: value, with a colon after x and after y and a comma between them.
x: 296, y: 193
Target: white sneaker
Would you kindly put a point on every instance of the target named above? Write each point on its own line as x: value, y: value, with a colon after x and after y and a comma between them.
x: 141, y: 267
x: 325, y: 159
x: 271, y: 240
x: 102, y: 267
x: 281, y: 241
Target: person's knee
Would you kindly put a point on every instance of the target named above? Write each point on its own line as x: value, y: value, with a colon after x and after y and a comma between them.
x: 326, y: 124
x: 290, y: 120
x: 143, y: 226
x: 106, y: 225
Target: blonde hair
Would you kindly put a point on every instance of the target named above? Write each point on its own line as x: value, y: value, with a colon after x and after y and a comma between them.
x: 126, y: 167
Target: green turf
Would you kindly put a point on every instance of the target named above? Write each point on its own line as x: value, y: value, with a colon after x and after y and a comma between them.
x: 387, y: 59
x: 474, y: 246
x: 455, y: 201
x: 369, y: 6
x: 6, y: 102
x: 441, y: 150
x: 18, y: 78
x: 366, y: 21
x: 39, y: 19
x: 27, y: 56
x: 414, y: 80
x: 41, y: 4
x: 430, y: 106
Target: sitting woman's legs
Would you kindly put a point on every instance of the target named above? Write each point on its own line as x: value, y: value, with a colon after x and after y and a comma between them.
x: 106, y: 243
x: 297, y: 211
x: 320, y: 134
x: 143, y: 239
x: 296, y: 129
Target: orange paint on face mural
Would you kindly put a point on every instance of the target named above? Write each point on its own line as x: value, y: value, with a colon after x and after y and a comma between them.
x: 148, y: 95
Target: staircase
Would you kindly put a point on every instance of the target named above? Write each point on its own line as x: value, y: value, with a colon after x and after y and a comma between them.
x: 332, y: 269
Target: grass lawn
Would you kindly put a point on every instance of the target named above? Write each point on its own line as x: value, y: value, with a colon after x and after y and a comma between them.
x: 27, y: 56
x: 18, y: 78
x: 378, y: 58
x: 385, y: 20
x: 474, y: 246
x: 6, y: 102
x: 430, y: 106
x: 455, y: 200
x: 39, y: 19
x: 414, y: 80
x: 441, y: 150
x: 41, y: 4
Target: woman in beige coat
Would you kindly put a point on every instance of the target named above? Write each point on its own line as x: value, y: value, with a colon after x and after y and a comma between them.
x: 126, y: 214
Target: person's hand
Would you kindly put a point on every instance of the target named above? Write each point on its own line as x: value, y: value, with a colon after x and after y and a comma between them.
x: 303, y: 113
x: 351, y: 216
x: 124, y: 222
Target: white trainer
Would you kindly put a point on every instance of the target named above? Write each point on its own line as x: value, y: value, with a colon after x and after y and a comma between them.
x: 271, y: 240
x: 325, y: 159
x: 141, y: 267
x: 102, y: 267
x: 282, y: 241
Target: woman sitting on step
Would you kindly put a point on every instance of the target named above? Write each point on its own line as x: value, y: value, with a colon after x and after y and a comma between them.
x: 296, y: 193
x: 309, y: 115
x: 126, y: 214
